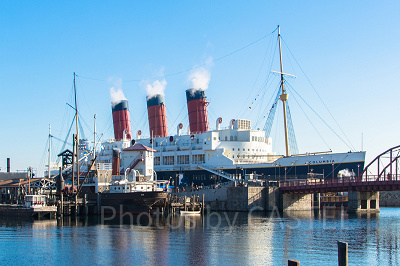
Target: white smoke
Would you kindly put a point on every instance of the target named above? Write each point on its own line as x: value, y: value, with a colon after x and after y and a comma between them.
x: 346, y: 173
x: 199, y: 78
x: 156, y: 88
x: 117, y: 95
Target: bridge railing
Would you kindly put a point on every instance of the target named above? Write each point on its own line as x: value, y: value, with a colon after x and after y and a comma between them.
x: 344, y: 181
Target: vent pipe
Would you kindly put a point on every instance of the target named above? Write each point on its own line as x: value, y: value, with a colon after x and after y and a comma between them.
x: 218, y: 123
x: 179, y: 128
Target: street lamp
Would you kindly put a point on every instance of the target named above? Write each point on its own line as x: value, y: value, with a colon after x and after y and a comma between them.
x: 279, y: 170
x: 285, y: 173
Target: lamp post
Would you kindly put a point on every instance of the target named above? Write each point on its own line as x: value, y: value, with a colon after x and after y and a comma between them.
x: 285, y: 173
x: 294, y: 163
x: 279, y: 170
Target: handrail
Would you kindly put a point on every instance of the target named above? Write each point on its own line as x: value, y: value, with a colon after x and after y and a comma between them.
x: 327, y: 182
x: 222, y: 174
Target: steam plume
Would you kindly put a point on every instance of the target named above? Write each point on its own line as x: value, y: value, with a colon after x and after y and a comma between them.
x: 199, y: 79
x: 117, y: 95
x: 157, y: 87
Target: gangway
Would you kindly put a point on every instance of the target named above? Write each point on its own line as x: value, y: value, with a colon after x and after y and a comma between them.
x: 217, y: 172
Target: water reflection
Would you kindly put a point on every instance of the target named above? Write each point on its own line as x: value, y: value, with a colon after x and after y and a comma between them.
x: 229, y: 238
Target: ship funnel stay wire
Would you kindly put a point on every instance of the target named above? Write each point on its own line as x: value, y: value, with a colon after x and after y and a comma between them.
x: 312, y: 86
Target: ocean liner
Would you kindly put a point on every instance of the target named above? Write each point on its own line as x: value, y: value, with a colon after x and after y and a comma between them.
x: 204, y: 156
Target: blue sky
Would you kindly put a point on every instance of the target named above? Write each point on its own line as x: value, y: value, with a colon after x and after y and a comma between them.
x: 349, y: 51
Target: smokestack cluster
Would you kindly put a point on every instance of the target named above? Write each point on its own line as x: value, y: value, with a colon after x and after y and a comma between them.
x: 121, y: 120
x: 197, y: 110
x: 157, y: 116
x: 8, y: 165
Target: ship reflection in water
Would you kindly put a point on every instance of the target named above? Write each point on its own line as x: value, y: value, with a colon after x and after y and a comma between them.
x: 227, y: 238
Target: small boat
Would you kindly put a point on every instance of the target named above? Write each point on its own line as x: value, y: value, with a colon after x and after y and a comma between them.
x: 34, y: 206
x: 190, y: 212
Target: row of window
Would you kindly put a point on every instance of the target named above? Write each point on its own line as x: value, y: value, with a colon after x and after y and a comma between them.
x: 233, y: 149
x: 259, y: 139
x: 180, y: 159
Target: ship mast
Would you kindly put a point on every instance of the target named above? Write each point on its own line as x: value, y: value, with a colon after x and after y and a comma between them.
x: 48, y: 174
x: 284, y: 96
x: 77, y: 135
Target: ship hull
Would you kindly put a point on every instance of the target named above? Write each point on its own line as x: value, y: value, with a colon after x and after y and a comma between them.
x: 133, y: 202
x: 294, y: 167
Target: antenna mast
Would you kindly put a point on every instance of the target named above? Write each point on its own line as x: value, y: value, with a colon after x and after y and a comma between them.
x: 284, y: 96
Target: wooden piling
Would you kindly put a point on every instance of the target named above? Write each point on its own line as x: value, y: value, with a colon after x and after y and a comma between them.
x: 342, y: 254
x: 293, y: 263
x: 98, y: 204
x: 62, y: 204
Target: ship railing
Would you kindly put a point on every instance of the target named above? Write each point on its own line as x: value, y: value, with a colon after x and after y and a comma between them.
x: 253, y: 161
x: 219, y: 185
x: 104, y: 166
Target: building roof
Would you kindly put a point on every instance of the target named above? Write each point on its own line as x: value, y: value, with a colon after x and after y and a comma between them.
x: 139, y: 147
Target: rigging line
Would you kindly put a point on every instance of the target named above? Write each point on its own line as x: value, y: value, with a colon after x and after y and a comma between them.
x: 183, y: 107
x: 41, y: 163
x: 258, y: 75
x: 189, y: 69
x: 109, y: 122
x: 86, y: 124
x: 309, y: 81
x: 84, y: 95
x: 265, y: 112
x: 292, y: 136
x: 65, y: 141
x: 267, y: 79
x: 319, y: 116
x: 142, y: 121
x: 309, y: 120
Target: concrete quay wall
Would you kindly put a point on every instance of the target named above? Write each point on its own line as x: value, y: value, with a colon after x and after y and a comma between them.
x: 389, y: 198
x: 251, y: 198
x: 231, y: 198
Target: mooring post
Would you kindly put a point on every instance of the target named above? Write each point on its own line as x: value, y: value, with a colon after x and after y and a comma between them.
x: 185, y: 202
x: 98, y: 204
x: 62, y: 204
x: 342, y: 253
x: 293, y: 263
x: 85, y: 204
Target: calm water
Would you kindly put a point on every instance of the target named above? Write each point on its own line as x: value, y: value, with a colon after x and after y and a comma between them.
x: 218, y: 238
